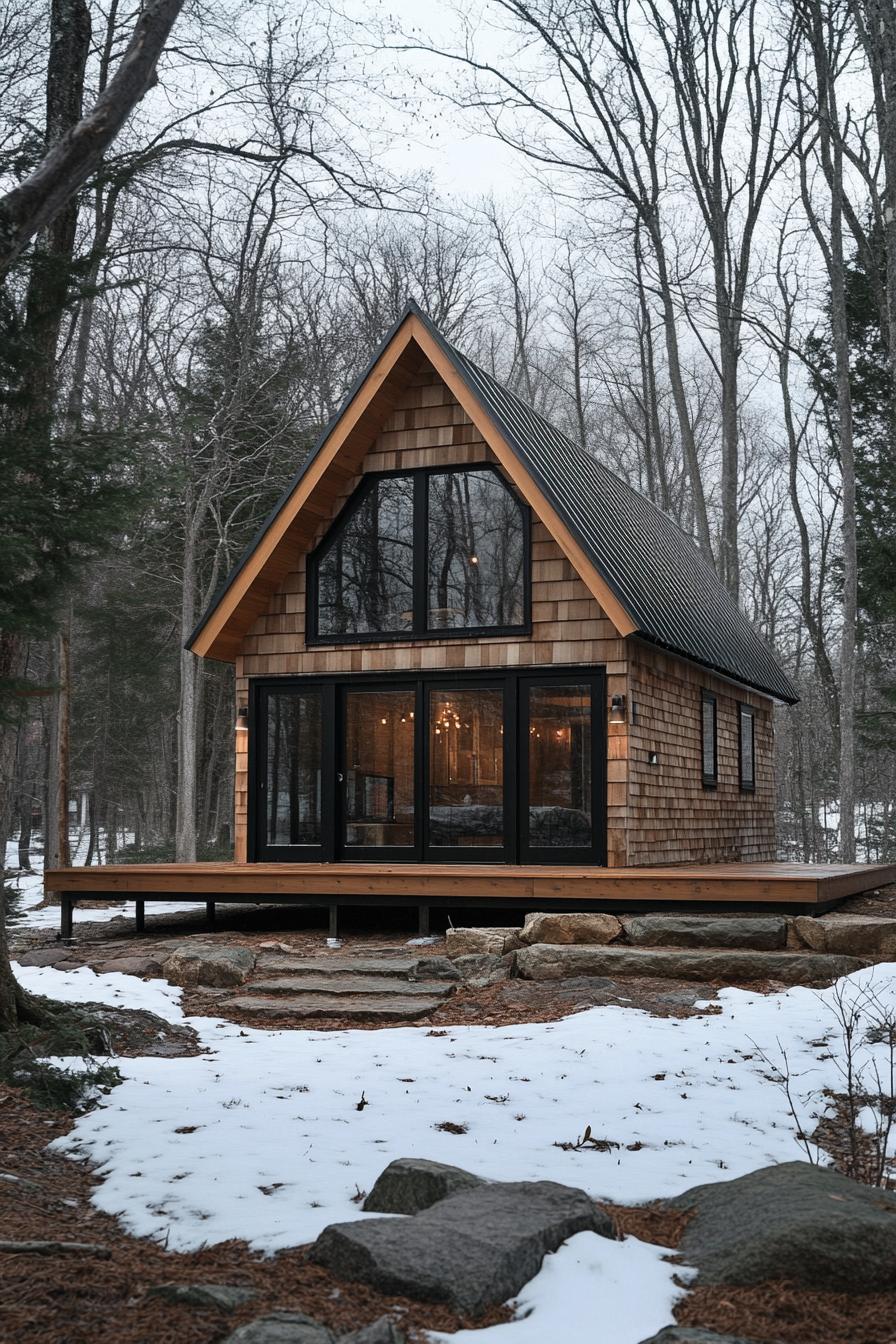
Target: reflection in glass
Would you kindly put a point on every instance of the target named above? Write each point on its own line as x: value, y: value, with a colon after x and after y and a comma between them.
x: 476, y: 546
x: 560, y: 767
x: 364, y: 582
x: 379, y: 767
x: 293, y: 778
x: 466, y: 768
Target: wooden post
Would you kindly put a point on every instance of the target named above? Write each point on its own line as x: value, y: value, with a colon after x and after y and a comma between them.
x: 210, y: 913
x: 66, y: 909
x: 334, y: 920
x: 422, y: 921
x: 140, y: 915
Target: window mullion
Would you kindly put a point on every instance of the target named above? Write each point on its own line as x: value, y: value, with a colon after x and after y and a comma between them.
x: 420, y: 552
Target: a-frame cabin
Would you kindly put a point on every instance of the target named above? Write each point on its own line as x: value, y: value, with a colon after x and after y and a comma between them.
x: 472, y: 663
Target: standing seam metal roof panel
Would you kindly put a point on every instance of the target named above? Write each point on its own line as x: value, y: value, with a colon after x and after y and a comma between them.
x: 658, y: 573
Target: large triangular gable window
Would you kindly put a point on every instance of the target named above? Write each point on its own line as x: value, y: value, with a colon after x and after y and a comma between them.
x: 432, y: 552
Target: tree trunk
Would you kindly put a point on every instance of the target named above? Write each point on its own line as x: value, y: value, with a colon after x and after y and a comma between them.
x: 187, y: 713
x: 57, y: 852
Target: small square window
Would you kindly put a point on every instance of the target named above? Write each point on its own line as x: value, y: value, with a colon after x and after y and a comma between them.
x: 708, y: 740
x: 746, y: 748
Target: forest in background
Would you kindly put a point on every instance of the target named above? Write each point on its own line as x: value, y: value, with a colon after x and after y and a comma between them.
x: 698, y: 284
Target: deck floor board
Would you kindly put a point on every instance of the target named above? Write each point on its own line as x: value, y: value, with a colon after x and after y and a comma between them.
x: 746, y: 883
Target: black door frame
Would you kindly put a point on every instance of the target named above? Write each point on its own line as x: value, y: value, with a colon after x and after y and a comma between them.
x: 596, y: 681
x: 515, y: 682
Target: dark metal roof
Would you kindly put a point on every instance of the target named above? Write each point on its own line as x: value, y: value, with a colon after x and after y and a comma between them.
x: 659, y: 575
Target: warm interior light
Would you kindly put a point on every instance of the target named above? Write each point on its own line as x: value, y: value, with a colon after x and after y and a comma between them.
x: 474, y: 559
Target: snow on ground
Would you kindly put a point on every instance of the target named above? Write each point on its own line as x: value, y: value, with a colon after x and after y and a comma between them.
x: 118, y: 991
x: 625, y: 1285
x: 29, y: 888
x: 261, y: 1137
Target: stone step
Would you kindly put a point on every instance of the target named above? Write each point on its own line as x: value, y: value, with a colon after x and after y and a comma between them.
x: 763, y: 933
x: 545, y: 961
x: 281, y: 964
x: 378, y: 1007
x: 352, y: 984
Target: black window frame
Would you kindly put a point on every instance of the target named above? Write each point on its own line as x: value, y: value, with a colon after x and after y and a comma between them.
x: 420, y: 631
x: 512, y: 680
x: 746, y: 711
x: 709, y: 781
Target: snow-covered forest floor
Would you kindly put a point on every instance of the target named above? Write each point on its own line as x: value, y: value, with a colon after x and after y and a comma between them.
x: 262, y: 1137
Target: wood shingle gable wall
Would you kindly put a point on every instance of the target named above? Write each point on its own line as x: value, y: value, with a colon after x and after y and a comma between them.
x: 427, y: 427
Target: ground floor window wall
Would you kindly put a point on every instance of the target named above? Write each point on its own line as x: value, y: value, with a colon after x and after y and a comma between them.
x: 507, y: 768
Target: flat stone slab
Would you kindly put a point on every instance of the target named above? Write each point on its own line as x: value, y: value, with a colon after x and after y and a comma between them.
x: 382, y: 1007
x: 471, y: 1250
x: 222, y: 1296
x: 758, y: 932
x: 352, y: 984
x: 284, y: 965
x: 410, y: 1184
x: 793, y: 1221
x: 544, y: 962
x: 281, y: 1327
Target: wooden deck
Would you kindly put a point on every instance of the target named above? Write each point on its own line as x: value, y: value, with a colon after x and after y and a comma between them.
x: 810, y: 887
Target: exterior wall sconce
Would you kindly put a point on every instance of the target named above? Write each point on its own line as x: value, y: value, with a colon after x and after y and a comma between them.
x: 652, y: 758
x: 617, y: 709
x: 242, y: 719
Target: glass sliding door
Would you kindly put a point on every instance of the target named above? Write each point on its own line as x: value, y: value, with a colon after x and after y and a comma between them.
x: 497, y: 767
x: 292, y: 803
x: 560, y: 748
x: 377, y: 775
x: 465, y: 772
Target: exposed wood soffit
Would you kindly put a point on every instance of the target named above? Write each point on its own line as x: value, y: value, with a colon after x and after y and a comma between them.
x: 350, y: 437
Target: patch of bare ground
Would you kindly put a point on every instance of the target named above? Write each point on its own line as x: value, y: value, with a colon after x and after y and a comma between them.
x: 508, y: 1003
x: 71, y: 1299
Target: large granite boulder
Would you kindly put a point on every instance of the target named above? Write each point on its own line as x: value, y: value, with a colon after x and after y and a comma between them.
x: 795, y: 1221
x: 217, y: 966
x: 281, y: 1327
x: 410, y: 1184
x: 471, y: 1250
x: 493, y: 942
x: 577, y: 927
x: 764, y: 932
x: 872, y: 937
